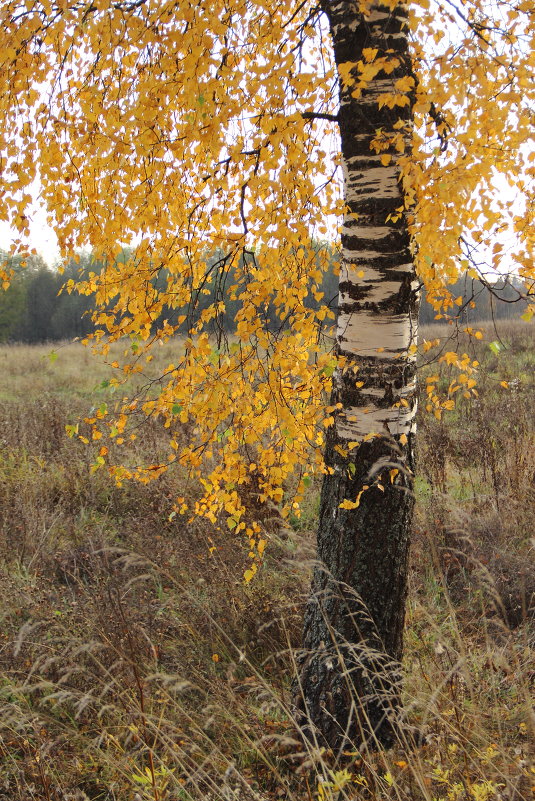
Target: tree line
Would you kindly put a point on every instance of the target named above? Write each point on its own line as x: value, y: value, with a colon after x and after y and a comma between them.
x: 35, y: 309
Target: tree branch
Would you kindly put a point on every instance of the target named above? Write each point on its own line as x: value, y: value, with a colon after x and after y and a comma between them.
x: 319, y: 115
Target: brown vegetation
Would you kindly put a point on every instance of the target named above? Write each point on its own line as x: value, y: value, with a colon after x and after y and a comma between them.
x: 135, y: 664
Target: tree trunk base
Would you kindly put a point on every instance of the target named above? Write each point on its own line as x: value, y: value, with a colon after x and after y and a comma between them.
x: 347, y: 696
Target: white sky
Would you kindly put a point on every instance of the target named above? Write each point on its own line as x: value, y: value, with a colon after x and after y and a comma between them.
x: 42, y: 237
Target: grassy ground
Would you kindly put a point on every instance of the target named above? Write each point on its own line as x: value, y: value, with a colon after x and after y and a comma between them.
x: 135, y: 664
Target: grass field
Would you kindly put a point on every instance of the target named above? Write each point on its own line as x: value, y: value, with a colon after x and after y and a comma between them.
x: 135, y: 664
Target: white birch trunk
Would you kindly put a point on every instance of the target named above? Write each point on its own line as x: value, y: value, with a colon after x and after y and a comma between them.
x: 350, y: 680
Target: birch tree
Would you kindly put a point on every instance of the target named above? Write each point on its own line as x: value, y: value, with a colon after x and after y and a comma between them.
x: 349, y: 682
x: 189, y: 129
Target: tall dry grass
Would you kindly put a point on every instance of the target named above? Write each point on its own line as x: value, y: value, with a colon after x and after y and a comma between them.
x: 134, y: 663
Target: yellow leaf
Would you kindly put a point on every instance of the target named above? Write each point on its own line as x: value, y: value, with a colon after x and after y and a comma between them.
x: 249, y: 574
x: 369, y: 53
x: 347, y: 504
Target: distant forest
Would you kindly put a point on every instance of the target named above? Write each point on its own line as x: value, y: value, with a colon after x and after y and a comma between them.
x: 35, y: 310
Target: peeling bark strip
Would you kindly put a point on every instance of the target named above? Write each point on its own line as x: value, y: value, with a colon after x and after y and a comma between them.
x: 349, y: 685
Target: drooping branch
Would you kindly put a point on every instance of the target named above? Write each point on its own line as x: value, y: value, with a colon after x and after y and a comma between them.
x: 320, y: 115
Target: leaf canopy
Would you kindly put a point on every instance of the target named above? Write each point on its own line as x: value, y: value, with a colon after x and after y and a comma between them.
x: 193, y: 129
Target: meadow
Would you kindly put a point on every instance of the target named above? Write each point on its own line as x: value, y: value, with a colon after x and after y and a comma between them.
x: 136, y: 664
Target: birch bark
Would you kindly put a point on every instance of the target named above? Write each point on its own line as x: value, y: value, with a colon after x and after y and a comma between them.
x: 349, y: 684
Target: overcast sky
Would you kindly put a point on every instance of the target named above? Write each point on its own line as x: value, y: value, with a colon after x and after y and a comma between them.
x: 43, y: 238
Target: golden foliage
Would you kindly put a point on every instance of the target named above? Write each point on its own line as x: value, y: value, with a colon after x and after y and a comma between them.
x: 180, y: 130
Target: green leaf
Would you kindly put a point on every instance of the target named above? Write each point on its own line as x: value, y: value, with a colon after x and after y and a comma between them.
x: 139, y: 778
x: 495, y: 347
x: 213, y: 358
x: 52, y: 356
x: 329, y: 369
x: 71, y: 430
x: 176, y: 408
x: 307, y: 481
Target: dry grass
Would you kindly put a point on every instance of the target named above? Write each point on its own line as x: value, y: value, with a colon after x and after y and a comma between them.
x: 134, y: 664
